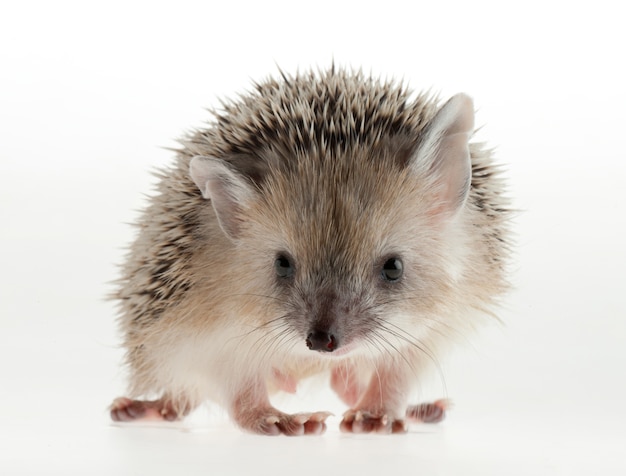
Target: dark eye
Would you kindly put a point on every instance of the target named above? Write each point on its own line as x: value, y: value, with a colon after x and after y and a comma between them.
x: 392, y: 269
x: 283, y: 267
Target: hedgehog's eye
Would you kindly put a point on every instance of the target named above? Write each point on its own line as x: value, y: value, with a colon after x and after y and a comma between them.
x: 392, y: 269
x: 283, y: 266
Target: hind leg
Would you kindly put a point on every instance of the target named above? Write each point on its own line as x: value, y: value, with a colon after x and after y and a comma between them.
x: 125, y: 409
x: 428, y: 412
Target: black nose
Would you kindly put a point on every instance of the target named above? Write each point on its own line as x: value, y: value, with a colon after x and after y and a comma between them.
x: 322, y: 341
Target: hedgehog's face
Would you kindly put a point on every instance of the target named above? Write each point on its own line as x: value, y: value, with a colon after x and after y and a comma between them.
x: 349, y: 247
x: 343, y: 250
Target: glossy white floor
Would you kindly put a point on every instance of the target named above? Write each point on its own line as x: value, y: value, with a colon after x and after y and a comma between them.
x: 86, y: 98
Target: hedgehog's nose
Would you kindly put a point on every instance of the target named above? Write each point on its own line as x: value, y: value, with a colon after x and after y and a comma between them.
x: 322, y: 341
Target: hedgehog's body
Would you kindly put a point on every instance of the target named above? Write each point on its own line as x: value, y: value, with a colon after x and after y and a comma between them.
x: 341, y: 232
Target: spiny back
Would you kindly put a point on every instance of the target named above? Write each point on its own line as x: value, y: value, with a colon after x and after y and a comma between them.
x: 331, y: 111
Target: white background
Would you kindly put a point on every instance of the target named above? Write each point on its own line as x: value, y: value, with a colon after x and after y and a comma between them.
x: 92, y: 93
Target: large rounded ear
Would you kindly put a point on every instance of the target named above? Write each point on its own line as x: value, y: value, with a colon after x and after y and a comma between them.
x: 443, y: 153
x: 228, y: 191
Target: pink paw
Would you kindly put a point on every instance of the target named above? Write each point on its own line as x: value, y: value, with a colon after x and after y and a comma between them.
x: 357, y: 421
x: 125, y: 409
x: 273, y: 422
x: 428, y: 412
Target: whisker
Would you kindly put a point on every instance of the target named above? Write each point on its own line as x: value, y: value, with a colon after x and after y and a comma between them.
x: 400, y: 333
x: 263, y: 326
x: 264, y: 296
x: 438, y: 322
x: 378, y: 347
x: 295, y: 339
x: 275, y: 337
x: 377, y: 373
x: 409, y: 339
x: 390, y: 344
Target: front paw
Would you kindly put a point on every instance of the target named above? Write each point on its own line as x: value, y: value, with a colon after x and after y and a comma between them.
x: 358, y: 421
x: 273, y: 422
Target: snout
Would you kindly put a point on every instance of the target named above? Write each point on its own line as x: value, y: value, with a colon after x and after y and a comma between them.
x: 322, y: 341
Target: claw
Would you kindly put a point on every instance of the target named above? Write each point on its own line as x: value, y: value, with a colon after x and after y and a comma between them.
x: 269, y: 421
x: 320, y: 416
x: 359, y: 421
x: 301, y: 418
x: 272, y: 420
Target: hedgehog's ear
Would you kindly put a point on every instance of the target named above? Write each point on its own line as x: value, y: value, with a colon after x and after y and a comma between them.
x: 443, y: 154
x: 228, y: 191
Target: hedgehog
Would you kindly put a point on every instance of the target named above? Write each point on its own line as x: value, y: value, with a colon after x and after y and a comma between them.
x: 325, y: 222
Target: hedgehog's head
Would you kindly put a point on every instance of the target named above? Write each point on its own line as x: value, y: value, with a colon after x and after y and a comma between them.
x: 347, y: 242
